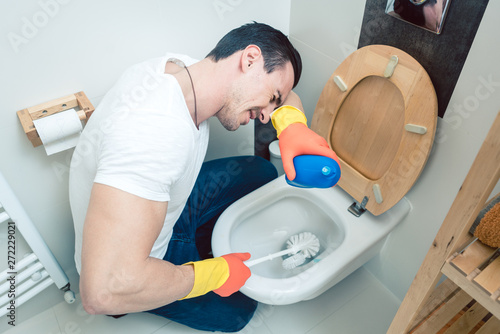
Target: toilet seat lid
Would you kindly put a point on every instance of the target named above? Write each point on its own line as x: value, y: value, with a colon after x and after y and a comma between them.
x: 378, y: 112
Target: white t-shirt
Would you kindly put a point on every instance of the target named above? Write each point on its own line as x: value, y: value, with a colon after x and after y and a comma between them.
x: 140, y: 139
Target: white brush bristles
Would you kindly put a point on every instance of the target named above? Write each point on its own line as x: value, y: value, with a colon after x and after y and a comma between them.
x: 305, y: 245
x: 294, y: 261
x: 305, y: 242
x: 300, y: 247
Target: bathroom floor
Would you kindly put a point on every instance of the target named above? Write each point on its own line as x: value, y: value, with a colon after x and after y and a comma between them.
x: 358, y: 304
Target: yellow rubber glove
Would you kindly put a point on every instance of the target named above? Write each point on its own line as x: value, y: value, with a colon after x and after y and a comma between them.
x: 295, y: 138
x: 286, y: 115
x: 223, y: 275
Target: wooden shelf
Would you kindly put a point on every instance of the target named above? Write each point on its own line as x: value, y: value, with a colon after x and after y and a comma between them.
x: 476, y: 270
x: 469, y: 300
x: 451, y: 310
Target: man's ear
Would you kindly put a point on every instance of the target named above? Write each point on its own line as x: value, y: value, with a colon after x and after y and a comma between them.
x: 251, y: 56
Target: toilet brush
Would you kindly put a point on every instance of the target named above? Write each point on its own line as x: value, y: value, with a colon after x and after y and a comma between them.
x: 301, y: 246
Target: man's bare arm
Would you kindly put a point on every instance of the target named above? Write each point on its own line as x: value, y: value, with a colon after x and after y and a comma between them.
x: 117, y: 275
x: 293, y: 100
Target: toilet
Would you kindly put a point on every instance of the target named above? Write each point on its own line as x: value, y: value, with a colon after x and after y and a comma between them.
x: 275, y: 157
x: 378, y: 112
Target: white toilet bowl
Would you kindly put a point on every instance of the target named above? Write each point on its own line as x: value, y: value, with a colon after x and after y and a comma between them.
x: 378, y: 112
x: 261, y: 222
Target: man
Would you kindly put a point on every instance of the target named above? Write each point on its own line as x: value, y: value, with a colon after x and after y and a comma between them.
x: 143, y: 201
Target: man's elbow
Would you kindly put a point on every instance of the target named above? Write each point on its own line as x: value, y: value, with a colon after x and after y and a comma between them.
x: 89, y: 305
x: 97, y: 298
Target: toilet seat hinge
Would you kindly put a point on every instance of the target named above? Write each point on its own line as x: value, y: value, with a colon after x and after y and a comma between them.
x: 358, y: 209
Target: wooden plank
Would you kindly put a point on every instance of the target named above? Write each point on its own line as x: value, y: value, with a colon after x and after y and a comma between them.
x: 472, y: 257
x: 472, y: 289
x: 27, y: 124
x: 478, y: 184
x: 54, y: 106
x: 489, y: 278
x: 492, y: 326
x: 442, y: 293
x: 468, y: 320
x: 444, y: 314
x: 85, y: 105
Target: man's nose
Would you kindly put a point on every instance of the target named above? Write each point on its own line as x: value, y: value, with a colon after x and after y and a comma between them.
x: 264, y: 117
x: 265, y: 114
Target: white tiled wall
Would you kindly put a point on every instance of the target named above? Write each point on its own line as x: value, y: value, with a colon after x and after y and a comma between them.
x: 52, y: 48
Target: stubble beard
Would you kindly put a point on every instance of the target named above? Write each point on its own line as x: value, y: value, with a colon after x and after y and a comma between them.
x: 226, y: 118
x: 227, y: 115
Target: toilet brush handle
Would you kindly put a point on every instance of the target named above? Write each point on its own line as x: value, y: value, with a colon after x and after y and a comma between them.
x: 272, y: 256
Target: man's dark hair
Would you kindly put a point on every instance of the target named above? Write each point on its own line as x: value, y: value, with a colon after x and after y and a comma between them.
x: 274, y: 45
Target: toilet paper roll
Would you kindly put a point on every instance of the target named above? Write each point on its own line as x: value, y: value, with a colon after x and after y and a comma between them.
x: 60, y: 131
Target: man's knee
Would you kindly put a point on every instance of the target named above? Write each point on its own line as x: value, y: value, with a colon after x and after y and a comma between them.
x: 241, y: 316
x: 261, y: 167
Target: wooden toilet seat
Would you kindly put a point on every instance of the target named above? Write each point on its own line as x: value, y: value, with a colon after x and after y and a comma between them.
x: 378, y: 112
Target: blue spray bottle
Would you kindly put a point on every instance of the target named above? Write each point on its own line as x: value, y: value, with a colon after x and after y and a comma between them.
x: 315, y: 171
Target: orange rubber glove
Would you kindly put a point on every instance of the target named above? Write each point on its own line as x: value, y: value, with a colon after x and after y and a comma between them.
x: 295, y: 138
x: 223, y: 275
x: 239, y: 273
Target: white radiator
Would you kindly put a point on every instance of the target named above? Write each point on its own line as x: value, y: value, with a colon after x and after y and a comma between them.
x: 25, y: 278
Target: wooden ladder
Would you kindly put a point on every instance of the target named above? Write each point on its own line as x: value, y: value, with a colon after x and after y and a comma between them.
x: 469, y: 300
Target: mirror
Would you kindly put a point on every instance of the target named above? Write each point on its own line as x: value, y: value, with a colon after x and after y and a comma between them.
x: 427, y: 14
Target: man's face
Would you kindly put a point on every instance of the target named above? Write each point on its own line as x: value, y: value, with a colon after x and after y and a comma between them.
x: 256, y: 96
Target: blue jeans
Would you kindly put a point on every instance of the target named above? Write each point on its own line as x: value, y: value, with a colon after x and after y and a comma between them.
x: 220, y: 183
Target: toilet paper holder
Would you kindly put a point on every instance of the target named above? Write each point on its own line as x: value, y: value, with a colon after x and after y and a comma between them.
x: 28, y: 115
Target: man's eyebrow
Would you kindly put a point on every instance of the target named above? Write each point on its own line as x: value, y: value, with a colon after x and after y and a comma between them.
x: 278, y: 101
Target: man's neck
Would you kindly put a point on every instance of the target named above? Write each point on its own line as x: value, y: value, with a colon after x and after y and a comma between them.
x: 211, y: 82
